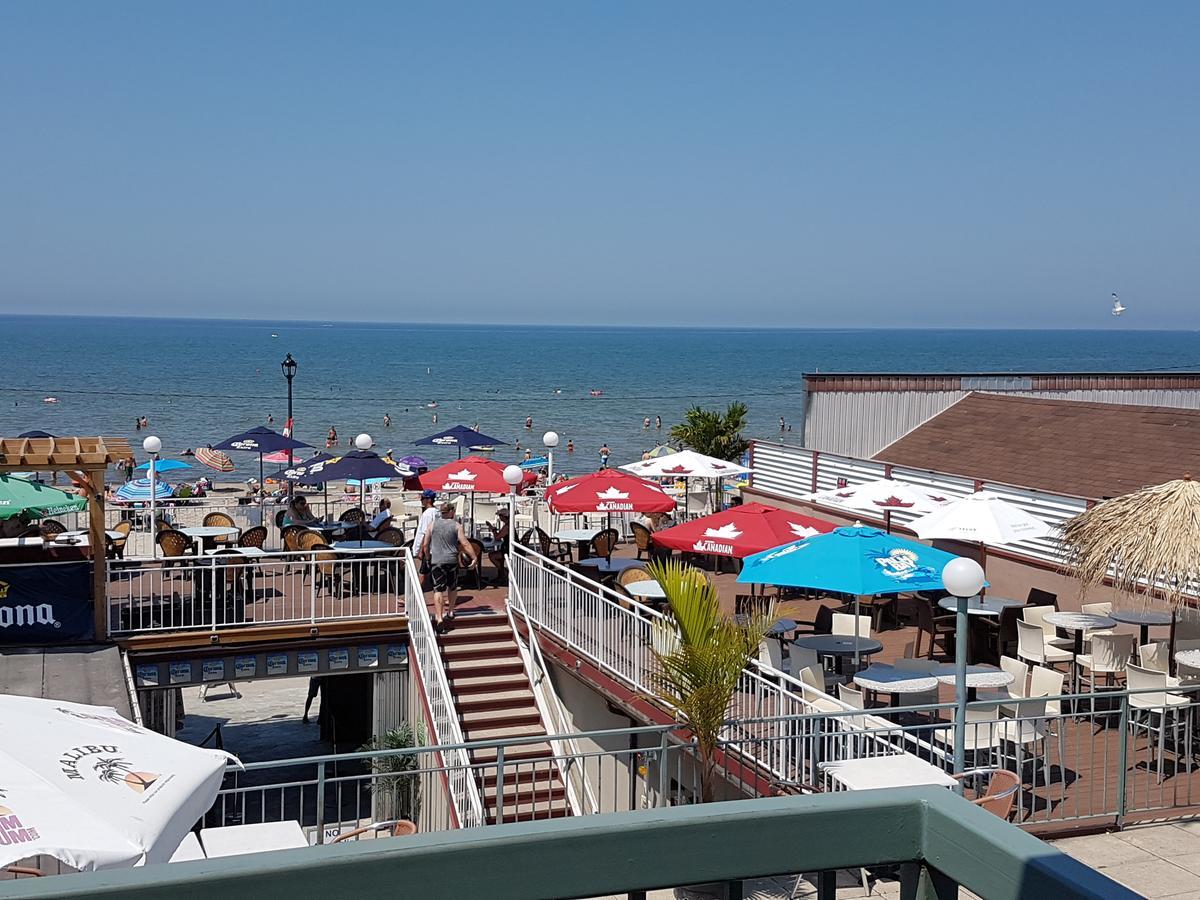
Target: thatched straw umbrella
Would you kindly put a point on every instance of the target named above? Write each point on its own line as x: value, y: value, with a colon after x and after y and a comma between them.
x: 1147, y: 541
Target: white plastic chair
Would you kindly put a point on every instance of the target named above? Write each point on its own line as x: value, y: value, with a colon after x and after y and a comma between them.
x: 1009, y: 694
x: 1045, y: 682
x: 806, y: 666
x: 1156, y: 656
x: 982, y: 733
x: 1028, y: 729
x: 1110, y: 654
x: 1032, y: 646
x: 1095, y: 609
x: 1036, y: 615
x: 1160, y: 703
x: 843, y: 623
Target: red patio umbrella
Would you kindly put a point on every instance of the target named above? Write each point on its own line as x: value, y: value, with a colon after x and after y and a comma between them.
x: 741, y: 531
x: 469, y: 475
x: 608, y: 490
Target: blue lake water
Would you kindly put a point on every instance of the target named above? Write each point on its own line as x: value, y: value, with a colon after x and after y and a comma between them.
x: 199, y: 381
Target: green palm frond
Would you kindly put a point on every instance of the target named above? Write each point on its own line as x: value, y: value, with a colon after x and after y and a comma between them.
x: 713, y: 433
x: 702, y: 655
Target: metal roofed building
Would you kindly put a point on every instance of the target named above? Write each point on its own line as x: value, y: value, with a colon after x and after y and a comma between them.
x: 858, y: 414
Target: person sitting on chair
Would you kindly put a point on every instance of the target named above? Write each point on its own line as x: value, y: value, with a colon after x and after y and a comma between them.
x: 500, y: 537
x: 382, y: 517
x: 298, y: 512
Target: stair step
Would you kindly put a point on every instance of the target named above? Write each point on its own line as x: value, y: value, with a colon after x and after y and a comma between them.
x: 521, y: 752
x: 526, y: 791
x: 529, y: 812
x: 535, y: 774
x: 504, y: 717
x: 464, y: 684
x: 470, y: 667
x: 477, y: 620
x: 486, y: 732
x: 494, y: 699
x: 478, y: 634
x: 500, y: 652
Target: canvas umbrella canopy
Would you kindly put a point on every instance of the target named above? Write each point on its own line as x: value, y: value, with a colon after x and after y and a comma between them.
x: 215, y: 459
x: 884, y: 495
x: 853, y: 560
x: 413, y: 461
x: 36, y: 500
x: 88, y: 787
x: 279, y: 456
x: 298, y: 470
x: 469, y: 475
x: 459, y: 436
x: 662, y: 450
x: 1148, y: 542
x: 981, y: 517
x: 741, y: 531
x: 35, y: 434
x: 686, y: 464
x: 536, y: 462
x: 609, y: 490
x: 360, y: 465
x: 261, y: 440
x: 165, y: 465
x: 141, y: 489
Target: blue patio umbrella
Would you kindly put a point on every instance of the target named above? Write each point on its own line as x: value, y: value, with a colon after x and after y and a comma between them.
x: 537, y: 462
x: 414, y: 462
x: 165, y: 465
x: 354, y: 482
x: 35, y: 434
x: 260, y: 440
x: 360, y: 465
x: 459, y: 436
x: 855, y: 560
x: 140, y: 489
x: 296, y: 472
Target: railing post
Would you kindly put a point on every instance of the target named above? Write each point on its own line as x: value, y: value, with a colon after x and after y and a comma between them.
x: 321, y: 802
x: 212, y: 587
x: 314, y: 571
x: 1123, y: 761
x: 499, y: 785
x: 662, y: 770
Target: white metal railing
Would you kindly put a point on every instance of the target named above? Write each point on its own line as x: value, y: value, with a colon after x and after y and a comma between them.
x: 441, y: 713
x: 790, y: 472
x: 579, y: 791
x: 235, y: 590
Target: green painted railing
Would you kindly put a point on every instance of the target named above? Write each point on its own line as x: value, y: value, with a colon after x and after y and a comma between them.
x: 938, y: 840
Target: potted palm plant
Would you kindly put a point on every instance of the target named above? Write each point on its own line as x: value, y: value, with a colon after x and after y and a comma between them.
x: 702, y: 654
x: 396, y: 789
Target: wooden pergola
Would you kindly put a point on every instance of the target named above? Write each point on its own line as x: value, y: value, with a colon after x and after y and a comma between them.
x: 86, y: 459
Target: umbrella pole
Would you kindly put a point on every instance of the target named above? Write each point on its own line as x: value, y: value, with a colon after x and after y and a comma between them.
x: 960, y: 688
x: 857, y: 598
x: 362, y: 504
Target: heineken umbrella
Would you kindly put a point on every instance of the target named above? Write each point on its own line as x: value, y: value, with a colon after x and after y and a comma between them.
x: 18, y: 495
x: 459, y: 436
x: 260, y: 440
x: 88, y: 787
x: 215, y: 459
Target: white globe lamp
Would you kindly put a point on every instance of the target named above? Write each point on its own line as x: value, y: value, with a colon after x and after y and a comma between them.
x: 364, y: 441
x: 550, y: 439
x: 152, y: 445
x: 513, y: 476
x: 963, y: 577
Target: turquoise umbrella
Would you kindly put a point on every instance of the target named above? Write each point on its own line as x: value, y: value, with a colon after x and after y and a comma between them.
x: 18, y: 495
x: 165, y: 465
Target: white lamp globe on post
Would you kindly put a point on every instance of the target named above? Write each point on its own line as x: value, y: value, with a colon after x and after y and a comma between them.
x: 153, y: 446
x: 513, y: 476
x: 550, y: 440
x: 963, y: 578
x: 364, y: 441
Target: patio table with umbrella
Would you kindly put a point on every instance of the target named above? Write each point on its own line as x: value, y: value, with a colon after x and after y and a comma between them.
x: 608, y: 491
x: 298, y: 470
x: 85, y: 786
x: 687, y: 464
x: 884, y: 495
x: 164, y: 465
x: 459, y: 436
x: 361, y: 464
x: 469, y: 475
x: 260, y: 440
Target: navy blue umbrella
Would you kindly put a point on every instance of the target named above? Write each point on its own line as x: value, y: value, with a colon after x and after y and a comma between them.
x: 260, y: 440
x: 357, y: 464
x: 296, y: 471
x: 35, y: 434
x: 459, y: 436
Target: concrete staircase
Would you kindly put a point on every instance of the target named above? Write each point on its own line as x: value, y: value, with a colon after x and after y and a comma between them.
x: 495, y: 701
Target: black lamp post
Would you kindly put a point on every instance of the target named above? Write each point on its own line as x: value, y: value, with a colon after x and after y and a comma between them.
x: 289, y: 372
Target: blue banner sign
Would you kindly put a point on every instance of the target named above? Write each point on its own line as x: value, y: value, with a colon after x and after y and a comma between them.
x: 46, y: 604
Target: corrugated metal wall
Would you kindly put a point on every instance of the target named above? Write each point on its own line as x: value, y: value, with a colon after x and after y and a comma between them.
x: 861, y: 423
x: 787, y: 472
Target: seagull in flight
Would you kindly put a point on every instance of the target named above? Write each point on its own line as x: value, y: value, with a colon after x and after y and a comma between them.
x: 1117, y: 307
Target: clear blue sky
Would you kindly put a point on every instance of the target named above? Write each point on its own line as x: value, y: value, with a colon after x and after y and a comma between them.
x: 768, y: 163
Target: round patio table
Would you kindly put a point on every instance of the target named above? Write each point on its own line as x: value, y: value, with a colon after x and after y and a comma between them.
x: 981, y: 606
x: 881, y: 678
x: 977, y: 677
x: 1188, y: 658
x: 362, y: 546
x: 839, y: 646
x: 329, y: 527
x: 610, y: 567
x: 207, y: 532
x: 1079, y: 623
x: 1143, y: 618
x: 647, y: 590
x: 580, y: 537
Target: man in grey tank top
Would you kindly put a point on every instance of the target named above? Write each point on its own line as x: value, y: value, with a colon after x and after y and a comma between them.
x: 444, y: 539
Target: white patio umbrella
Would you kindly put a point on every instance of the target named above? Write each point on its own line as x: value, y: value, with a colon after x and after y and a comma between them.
x: 884, y: 495
x: 686, y: 464
x: 982, y: 517
x: 88, y: 787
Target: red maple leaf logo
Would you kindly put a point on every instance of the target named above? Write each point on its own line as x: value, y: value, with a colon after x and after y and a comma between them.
x: 894, y: 502
x: 678, y: 470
